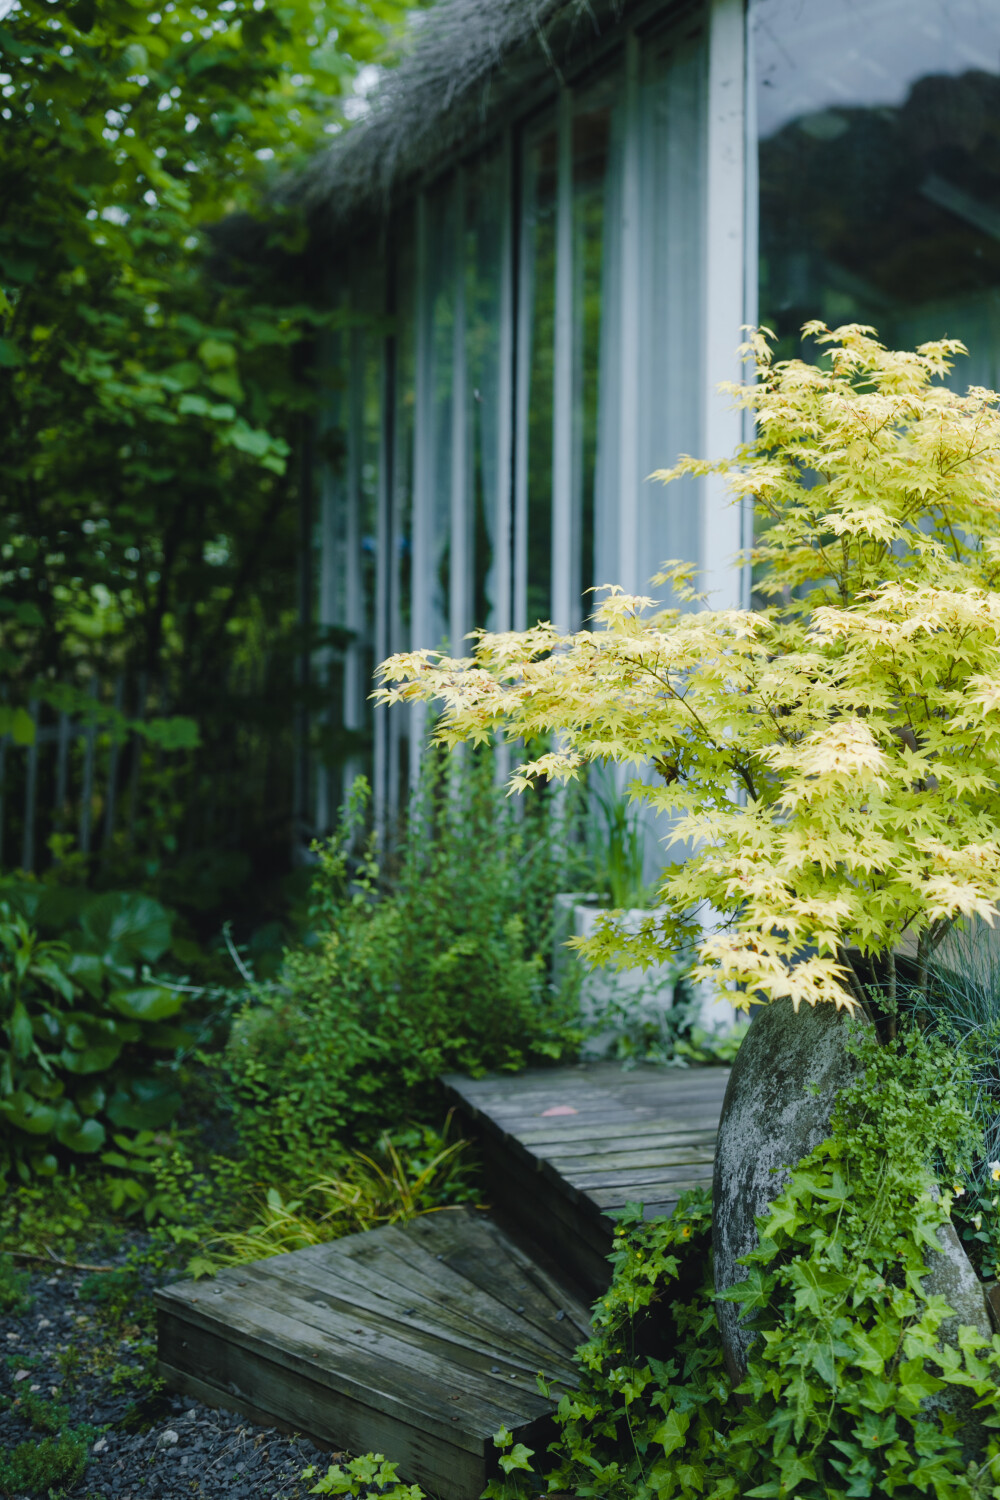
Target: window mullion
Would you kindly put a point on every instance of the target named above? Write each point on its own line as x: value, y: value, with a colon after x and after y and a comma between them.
x: 421, y: 581
x: 564, y: 607
x: 630, y: 313
x: 459, y: 609
x: 724, y: 291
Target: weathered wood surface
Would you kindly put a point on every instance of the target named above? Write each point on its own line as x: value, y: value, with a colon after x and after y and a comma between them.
x: 565, y: 1149
x: 418, y: 1341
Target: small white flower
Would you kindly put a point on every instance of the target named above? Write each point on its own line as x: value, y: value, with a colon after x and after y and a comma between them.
x: 958, y: 1190
x: 994, y: 1167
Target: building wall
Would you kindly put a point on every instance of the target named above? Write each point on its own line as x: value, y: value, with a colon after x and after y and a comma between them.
x: 548, y: 322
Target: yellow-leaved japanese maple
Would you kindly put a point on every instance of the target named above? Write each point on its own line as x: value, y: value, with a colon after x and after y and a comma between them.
x: 830, y: 759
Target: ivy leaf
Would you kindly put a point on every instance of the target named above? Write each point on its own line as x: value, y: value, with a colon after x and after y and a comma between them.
x: 518, y: 1458
x: 671, y: 1433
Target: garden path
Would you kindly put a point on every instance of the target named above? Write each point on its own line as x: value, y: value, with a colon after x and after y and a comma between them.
x: 420, y: 1340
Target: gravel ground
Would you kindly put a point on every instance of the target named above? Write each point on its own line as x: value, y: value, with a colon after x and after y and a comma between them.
x: 83, y: 1353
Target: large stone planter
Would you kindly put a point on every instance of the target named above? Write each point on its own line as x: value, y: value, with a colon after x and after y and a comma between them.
x: 646, y: 993
x: 777, y: 1109
x: 604, y: 990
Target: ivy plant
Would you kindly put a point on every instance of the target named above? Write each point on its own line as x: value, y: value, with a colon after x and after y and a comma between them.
x: 830, y: 759
x: 857, y: 1386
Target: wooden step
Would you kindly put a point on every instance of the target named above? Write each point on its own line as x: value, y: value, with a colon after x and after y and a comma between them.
x: 417, y: 1341
x: 566, y: 1148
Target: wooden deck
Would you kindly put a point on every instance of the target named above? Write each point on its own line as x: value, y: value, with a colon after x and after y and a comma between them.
x: 419, y: 1341
x: 565, y: 1149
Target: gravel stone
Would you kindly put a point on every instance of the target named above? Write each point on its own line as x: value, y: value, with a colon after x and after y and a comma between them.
x: 145, y: 1445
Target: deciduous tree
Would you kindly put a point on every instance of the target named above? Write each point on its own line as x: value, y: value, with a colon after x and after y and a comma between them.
x: 830, y: 759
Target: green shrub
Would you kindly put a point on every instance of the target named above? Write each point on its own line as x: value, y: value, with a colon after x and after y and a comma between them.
x: 46, y: 1467
x: 41, y: 1414
x: 87, y: 1036
x: 14, y: 1285
x: 614, y: 838
x: 960, y: 1003
x: 446, y: 969
x: 847, y: 1355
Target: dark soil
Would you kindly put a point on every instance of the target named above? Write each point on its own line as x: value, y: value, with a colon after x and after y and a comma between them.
x: 78, y: 1356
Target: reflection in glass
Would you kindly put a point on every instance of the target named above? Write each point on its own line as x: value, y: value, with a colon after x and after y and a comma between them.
x: 596, y: 150
x: 484, y: 208
x: 370, y: 372
x: 441, y: 238
x: 404, y: 396
x: 401, y: 582
x: 672, y: 116
x: 879, y: 161
x: 538, y: 288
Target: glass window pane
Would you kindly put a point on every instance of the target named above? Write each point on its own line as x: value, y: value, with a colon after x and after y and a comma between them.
x: 538, y: 288
x: 879, y: 162
x: 484, y: 212
x: 401, y: 579
x: 441, y: 263
x: 596, y: 169
x: 404, y: 398
x: 370, y: 373
x: 672, y: 124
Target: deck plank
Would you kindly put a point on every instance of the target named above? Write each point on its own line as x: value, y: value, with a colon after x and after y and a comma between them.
x: 373, y: 1341
x: 567, y: 1148
x: 420, y: 1340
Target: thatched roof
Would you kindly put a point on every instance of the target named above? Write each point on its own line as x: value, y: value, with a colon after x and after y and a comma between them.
x: 468, y: 61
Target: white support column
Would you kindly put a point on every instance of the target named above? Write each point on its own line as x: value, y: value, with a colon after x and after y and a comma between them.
x: 629, y: 477
x: 460, y: 571
x: 564, y: 607
x: 721, y: 522
x: 420, y: 579
x: 522, y: 393
x: 502, y: 542
x: 751, y: 275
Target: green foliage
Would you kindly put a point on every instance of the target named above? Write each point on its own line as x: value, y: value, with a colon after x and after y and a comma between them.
x: 615, y: 844
x: 156, y: 368
x: 960, y: 1003
x: 45, y: 1467
x: 851, y: 1386
x: 831, y: 759
x: 365, y: 1477
x: 48, y: 1213
x: 513, y: 1455
x: 114, y: 1292
x: 14, y: 1284
x: 41, y: 1414
x: 444, y: 971
x: 413, y: 1173
x: 86, y: 1034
